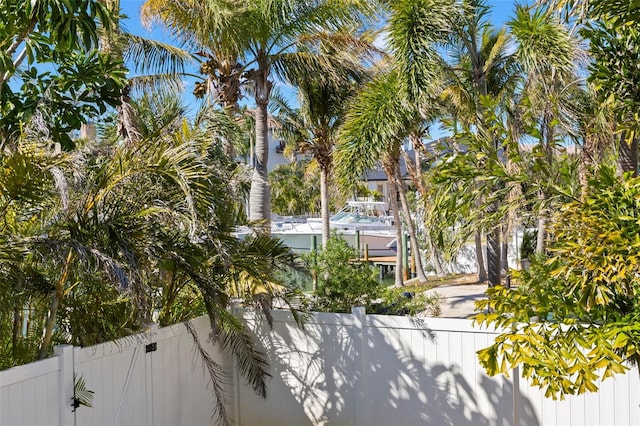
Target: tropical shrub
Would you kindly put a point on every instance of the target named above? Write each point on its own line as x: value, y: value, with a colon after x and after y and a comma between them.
x: 398, y: 301
x: 342, y: 281
x: 573, y: 318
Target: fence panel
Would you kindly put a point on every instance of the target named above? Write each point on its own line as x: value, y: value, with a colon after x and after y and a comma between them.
x: 383, y: 370
x: 315, y: 371
x: 347, y: 369
x: 116, y: 373
x: 149, y: 379
x: 180, y: 384
x: 420, y: 372
x: 29, y: 394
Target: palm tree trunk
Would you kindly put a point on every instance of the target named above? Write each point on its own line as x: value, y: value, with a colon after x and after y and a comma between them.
x: 324, y: 207
x: 127, y: 117
x: 259, y: 195
x: 542, y: 223
x: 399, y: 282
x: 410, y: 226
x: 53, y: 309
x: 435, y: 257
x: 390, y: 165
x: 110, y: 42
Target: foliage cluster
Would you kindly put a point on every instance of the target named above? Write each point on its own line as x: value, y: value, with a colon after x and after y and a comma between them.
x: 573, y: 319
x: 100, y: 241
x: 68, y: 79
x: 343, y: 282
x: 295, y: 189
x: 397, y: 301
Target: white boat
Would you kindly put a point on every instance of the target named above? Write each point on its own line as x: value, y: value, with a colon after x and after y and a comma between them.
x: 363, y: 220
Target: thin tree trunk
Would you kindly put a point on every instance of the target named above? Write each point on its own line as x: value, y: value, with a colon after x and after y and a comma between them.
x: 494, y: 263
x: 389, y: 165
x: 49, y: 325
x: 399, y: 282
x: 410, y: 227
x: 16, y: 329
x: 482, y: 272
x: 414, y: 168
x: 504, y: 259
x: 504, y: 254
x: 28, y: 322
x: 435, y: 257
x: 324, y: 207
x: 540, y: 239
x: 628, y: 155
x: 493, y: 257
x: 53, y: 309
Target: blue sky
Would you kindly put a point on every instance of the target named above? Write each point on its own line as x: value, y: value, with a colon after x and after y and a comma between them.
x: 501, y: 12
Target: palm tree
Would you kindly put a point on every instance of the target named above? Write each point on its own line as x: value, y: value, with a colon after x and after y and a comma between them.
x: 312, y: 129
x: 265, y: 35
x: 548, y: 54
x: 404, y: 96
x: 367, y: 139
x: 113, y: 219
x: 482, y: 67
x: 157, y: 65
x: 221, y: 67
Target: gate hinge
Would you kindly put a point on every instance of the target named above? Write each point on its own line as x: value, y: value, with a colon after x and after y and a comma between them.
x: 151, y: 347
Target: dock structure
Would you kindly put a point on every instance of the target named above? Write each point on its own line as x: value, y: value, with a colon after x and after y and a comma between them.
x: 384, y: 263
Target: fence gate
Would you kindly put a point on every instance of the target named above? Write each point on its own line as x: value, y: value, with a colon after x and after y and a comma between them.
x: 141, y: 378
x: 123, y: 371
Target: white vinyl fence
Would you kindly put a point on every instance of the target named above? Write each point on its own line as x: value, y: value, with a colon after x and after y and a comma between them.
x: 340, y: 369
x: 383, y: 370
x: 150, y: 379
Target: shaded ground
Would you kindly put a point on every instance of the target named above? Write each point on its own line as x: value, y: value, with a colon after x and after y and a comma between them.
x: 458, y: 293
x: 458, y: 300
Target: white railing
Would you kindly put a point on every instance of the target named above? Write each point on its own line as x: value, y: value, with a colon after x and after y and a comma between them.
x: 342, y: 369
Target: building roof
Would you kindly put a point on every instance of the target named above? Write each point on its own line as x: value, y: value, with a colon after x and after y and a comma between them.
x: 378, y: 175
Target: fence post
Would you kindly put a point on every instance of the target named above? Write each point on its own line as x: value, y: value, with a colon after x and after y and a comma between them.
x: 65, y: 353
x: 360, y: 315
x: 516, y: 396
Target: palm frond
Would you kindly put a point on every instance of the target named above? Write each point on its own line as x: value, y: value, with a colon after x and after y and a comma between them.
x: 252, y: 363
x: 416, y: 29
x: 544, y: 43
x: 151, y: 55
x: 217, y: 377
x: 376, y: 121
x: 158, y: 83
